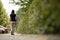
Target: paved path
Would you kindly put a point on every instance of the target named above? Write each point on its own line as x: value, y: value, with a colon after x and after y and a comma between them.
x: 28, y: 37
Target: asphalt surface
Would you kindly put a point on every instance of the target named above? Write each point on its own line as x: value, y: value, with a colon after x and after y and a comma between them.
x: 28, y: 37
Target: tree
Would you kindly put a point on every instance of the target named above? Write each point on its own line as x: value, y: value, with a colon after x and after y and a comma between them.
x: 42, y: 16
x: 3, y: 16
x: 24, y: 4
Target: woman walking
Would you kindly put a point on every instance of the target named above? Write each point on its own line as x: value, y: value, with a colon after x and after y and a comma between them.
x: 13, y: 21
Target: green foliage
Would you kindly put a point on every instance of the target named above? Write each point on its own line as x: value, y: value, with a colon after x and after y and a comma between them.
x: 42, y: 17
x: 21, y: 11
x: 3, y: 16
x: 24, y: 4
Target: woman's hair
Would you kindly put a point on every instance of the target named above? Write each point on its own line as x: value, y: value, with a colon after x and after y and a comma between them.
x: 12, y: 12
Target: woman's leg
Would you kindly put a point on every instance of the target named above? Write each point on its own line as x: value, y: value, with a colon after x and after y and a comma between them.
x: 13, y: 28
